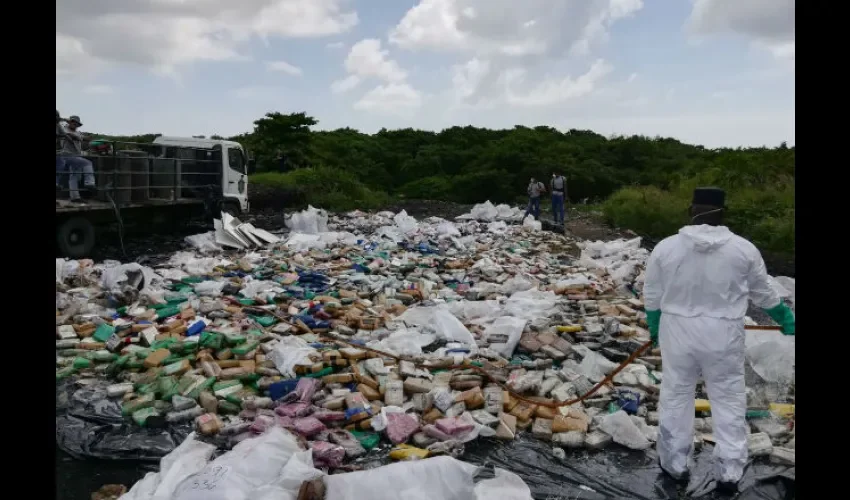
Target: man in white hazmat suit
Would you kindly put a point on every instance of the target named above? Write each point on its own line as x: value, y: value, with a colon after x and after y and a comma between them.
x: 696, y: 290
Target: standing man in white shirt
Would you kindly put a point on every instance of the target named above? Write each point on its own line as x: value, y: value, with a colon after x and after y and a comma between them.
x: 558, y: 185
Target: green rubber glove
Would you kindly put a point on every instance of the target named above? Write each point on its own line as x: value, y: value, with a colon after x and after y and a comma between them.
x: 653, y: 319
x: 783, y: 315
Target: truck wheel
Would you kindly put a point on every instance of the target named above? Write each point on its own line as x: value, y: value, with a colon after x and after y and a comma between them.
x: 75, y: 237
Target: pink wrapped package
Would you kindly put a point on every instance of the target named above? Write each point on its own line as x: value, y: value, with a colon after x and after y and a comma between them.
x: 327, y: 416
x: 294, y: 410
x: 308, y: 426
x: 304, y: 390
x: 434, y: 432
x: 286, y: 422
x: 454, y: 426
x: 326, y: 454
x: 400, y: 426
x: 262, y: 423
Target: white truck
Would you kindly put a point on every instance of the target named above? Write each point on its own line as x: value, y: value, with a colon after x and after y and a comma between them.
x: 172, y: 179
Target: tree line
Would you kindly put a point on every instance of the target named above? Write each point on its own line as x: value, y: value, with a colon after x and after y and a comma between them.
x: 643, y: 182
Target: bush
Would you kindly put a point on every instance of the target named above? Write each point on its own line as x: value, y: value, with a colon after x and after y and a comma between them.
x: 428, y: 188
x: 764, y: 214
x: 647, y: 210
x: 322, y: 187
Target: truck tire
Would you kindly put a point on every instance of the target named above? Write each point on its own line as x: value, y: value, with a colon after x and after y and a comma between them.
x: 75, y: 237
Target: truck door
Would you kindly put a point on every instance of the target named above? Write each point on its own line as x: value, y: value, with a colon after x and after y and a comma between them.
x: 235, y: 178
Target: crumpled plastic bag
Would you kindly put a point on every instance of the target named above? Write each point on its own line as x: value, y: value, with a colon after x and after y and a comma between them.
x: 593, y: 365
x: 517, y: 284
x: 288, y: 352
x: 66, y: 268
x: 771, y: 355
x: 132, y: 274
x: 204, y: 242
x: 530, y: 223
x: 623, y: 430
x: 259, y: 288
x: 310, y: 221
x: 497, y: 227
x: 405, y: 342
x: 302, y: 242
x: 209, y: 288
x: 505, y: 325
x: 441, y: 321
x: 531, y: 304
x: 406, y: 223
x: 785, y: 287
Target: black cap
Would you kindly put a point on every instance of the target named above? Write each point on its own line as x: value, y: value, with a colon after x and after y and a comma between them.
x: 710, y: 196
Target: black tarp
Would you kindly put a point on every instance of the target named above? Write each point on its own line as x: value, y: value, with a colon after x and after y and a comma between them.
x: 90, y: 426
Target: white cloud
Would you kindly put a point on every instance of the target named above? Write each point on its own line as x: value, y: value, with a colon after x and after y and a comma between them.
x: 98, y: 89
x: 250, y: 92
x: 346, y: 84
x: 467, y: 77
x: 554, y: 91
x: 507, y: 27
x: 366, y: 59
x: 284, y: 67
x: 507, y: 40
x: 768, y: 23
x: 165, y: 34
x: 393, y: 98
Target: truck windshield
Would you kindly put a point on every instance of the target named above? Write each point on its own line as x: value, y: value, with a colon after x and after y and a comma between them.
x: 236, y: 159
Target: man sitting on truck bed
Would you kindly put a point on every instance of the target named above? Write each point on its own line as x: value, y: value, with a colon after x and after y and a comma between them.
x: 72, y: 154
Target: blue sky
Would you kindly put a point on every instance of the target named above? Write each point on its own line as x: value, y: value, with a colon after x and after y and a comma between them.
x: 714, y: 72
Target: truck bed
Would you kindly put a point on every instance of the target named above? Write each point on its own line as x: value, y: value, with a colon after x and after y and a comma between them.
x: 65, y: 206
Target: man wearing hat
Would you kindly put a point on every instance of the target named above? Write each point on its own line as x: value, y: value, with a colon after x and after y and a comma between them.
x: 72, y: 153
x: 698, y: 283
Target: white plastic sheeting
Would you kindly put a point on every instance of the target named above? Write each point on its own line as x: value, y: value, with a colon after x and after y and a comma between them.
x: 310, y: 221
x: 505, y: 486
x: 187, y: 459
x: 438, y: 478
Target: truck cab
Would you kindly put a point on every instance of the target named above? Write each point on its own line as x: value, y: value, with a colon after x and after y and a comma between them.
x: 234, y: 165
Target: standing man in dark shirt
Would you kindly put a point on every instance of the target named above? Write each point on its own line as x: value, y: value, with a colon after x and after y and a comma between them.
x: 72, y: 153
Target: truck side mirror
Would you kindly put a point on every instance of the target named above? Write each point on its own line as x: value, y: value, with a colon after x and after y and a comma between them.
x: 252, y: 166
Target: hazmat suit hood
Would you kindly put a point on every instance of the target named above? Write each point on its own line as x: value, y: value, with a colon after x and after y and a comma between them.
x: 705, y: 238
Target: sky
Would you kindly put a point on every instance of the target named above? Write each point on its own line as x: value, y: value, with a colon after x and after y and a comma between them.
x: 714, y: 72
